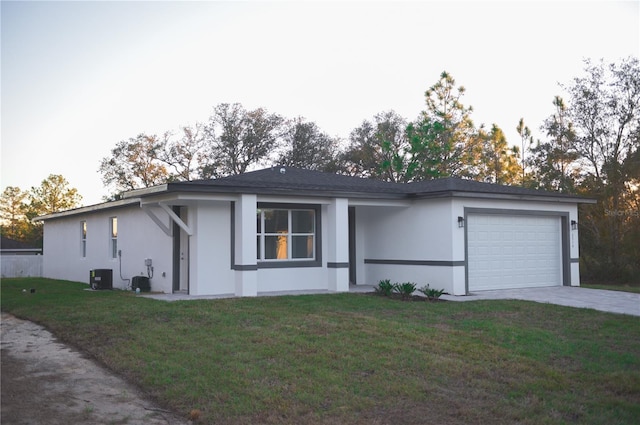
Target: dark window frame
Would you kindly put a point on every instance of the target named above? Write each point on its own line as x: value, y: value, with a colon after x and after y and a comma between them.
x: 287, y: 223
x: 290, y: 263
x: 277, y: 264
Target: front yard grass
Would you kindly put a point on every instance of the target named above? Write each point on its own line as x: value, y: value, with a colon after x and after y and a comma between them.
x: 629, y: 287
x: 352, y: 358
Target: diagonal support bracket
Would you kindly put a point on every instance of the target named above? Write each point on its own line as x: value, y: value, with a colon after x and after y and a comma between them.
x: 166, y: 229
x: 176, y: 218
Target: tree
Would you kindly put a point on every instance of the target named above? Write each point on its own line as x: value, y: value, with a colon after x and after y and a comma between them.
x: 392, y: 136
x: 378, y: 148
x: 135, y: 163
x: 605, y: 113
x: 562, y: 138
x: 592, y: 149
x: 629, y: 244
x: 498, y: 163
x: 443, y: 140
x: 232, y: 141
x: 53, y: 195
x: 426, y: 153
x: 185, y: 155
x: 554, y: 160
x: 526, y: 142
x: 306, y: 146
x: 18, y: 208
x: 12, y: 213
x: 238, y: 139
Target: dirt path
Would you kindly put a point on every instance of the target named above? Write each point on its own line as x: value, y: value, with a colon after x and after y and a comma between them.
x: 46, y: 382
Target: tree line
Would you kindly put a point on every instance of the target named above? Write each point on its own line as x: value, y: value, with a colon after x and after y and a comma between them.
x: 19, y: 207
x: 441, y: 142
x: 589, y: 145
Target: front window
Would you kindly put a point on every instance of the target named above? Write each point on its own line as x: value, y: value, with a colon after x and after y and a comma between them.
x: 113, y: 228
x: 286, y: 234
x: 83, y: 238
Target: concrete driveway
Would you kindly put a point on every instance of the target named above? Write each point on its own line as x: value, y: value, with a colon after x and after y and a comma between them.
x: 597, y: 299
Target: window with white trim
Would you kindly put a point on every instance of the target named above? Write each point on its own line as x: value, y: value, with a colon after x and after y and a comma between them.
x: 113, y: 231
x: 286, y: 234
x: 83, y: 238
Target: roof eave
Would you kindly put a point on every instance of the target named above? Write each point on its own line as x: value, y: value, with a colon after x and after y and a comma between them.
x: 19, y: 250
x: 307, y: 192
x: 137, y: 193
x: 91, y: 208
x: 505, y: 196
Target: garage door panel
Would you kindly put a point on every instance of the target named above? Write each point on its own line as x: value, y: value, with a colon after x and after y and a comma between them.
x: 513, y: 251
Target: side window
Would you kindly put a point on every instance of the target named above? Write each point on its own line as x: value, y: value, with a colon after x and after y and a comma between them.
x: 83, y: 238
x: 113, y: 230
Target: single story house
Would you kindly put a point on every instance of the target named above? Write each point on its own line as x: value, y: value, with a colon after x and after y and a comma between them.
x: 287, y: 229
x: 13, y: 247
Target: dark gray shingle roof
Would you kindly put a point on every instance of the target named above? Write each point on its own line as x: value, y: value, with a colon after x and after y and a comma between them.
x: 10, y: 244
x: 301, y: 179
x: 450, y: 185
x: 290, y: 180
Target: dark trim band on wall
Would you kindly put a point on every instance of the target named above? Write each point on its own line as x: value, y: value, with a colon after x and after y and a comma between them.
x: 575, y: 260
x: 245, y: 267
x: 416, y: 262
x: 337, y: 265
x: 276, y: 265
x: 284, y: 264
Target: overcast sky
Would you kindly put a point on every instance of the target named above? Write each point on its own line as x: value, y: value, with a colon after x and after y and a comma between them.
x: 78, y: 77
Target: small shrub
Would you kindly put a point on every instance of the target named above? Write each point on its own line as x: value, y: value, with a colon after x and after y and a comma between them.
x: 385, y: 288
x: 405, y: 289
x: 430, y: 293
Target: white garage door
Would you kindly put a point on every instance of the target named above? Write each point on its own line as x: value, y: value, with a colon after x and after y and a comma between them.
x: 507, y: 251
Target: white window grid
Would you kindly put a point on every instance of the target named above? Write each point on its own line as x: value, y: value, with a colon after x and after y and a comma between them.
x: 83, y: 238
x: 262, y: 234
x: 113, y: 234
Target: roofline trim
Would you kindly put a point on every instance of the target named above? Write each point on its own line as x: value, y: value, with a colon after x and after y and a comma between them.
x: 90, y: 208
x: 320, y: 192
x: 517, y: 196
x: 145, y: 191
x: 7, y: 250
x: 309, y: 192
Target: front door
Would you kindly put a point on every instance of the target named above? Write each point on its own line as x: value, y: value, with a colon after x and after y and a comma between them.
x: 180, y: 253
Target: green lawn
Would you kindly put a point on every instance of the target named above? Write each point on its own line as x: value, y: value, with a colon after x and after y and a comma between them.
x: 635, y: 288
x: 353, y: 358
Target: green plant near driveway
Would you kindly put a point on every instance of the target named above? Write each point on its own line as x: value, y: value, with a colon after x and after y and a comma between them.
x: 431, y: 293
x: 352, y: 358
x: 385, y: 288
x: 405, y: 289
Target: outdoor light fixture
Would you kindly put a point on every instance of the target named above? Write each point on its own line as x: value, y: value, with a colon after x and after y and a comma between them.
x: 460, y: 221
x: 574, y: 225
